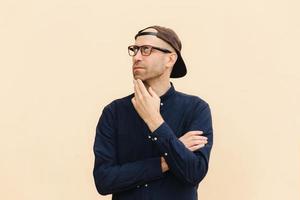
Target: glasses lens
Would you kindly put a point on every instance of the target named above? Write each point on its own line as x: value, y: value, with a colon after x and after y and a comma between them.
x: 132, y: 50
x: 146, y: 50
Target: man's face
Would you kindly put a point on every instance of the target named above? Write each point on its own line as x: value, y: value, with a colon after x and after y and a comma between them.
x: 154, y: 65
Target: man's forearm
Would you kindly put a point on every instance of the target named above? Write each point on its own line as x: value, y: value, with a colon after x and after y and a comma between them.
x: 112, y: 178
x: 188, y: 166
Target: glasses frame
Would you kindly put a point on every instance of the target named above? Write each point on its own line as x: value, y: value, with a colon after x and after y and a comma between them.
x: 142, y: 51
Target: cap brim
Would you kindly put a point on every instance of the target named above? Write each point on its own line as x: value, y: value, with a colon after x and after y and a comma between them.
x: 179, y: 68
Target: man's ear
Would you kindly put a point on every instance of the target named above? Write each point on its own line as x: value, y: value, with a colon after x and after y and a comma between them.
x: 171, y: 59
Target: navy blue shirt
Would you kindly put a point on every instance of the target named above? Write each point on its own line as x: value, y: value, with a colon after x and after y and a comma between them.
x: 127, y: 155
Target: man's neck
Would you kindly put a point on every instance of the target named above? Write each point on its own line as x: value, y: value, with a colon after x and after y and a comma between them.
x: 160, y: 87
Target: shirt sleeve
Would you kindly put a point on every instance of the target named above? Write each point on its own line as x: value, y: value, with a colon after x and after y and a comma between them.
x: 190, y: 167
x: 111, y: 177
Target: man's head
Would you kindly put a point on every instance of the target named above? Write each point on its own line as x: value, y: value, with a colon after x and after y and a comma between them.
x: 156, y: 54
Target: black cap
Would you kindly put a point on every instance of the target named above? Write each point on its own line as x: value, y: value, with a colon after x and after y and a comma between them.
x: 169, y: 36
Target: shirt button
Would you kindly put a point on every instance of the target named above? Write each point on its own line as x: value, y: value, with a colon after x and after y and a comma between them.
x: 138, y: 186
x: 146, y: 185
x: 155, y: 138
x: 161, y: 104
x: 149, y: 137
x: 166, y: 154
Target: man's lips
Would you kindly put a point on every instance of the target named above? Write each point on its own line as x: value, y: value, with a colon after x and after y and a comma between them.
x: 135, y: 68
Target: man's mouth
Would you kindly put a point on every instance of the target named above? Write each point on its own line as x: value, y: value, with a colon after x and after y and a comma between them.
x: 137, y: 67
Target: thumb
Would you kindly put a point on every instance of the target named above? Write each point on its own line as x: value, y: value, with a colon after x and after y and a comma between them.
x: 133, y: 101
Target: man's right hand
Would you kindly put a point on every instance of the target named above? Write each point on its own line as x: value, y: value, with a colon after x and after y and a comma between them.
x: 193, y: 140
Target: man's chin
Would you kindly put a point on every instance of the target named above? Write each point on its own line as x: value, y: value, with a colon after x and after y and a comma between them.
x: 137, y: 76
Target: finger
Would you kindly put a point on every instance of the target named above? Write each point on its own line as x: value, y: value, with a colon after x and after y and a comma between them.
x: 133, y: 102
x: 196, y: 142
x: 199, y: 132
x: 196, y: 147
x: 142, y: 88
x: 198, y: 137
x: 152, y: 93
x: 189, y: 135
x: 137, y: 92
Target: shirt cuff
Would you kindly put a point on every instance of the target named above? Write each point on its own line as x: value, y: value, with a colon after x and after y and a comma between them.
x: 162, y: 135
x: 162, y: 132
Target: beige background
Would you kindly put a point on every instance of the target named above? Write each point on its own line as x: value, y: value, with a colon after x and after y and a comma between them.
x: 63, y: 61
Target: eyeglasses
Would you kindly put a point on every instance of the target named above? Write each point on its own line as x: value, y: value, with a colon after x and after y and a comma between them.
x: 145, y: 50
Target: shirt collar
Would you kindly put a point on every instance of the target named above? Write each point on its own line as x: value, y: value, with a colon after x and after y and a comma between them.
x: 170, y: 92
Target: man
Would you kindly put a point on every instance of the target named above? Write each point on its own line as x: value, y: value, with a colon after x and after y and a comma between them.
x: 153, y: 144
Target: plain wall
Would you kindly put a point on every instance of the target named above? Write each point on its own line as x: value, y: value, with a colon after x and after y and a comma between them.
x: 63, y: 61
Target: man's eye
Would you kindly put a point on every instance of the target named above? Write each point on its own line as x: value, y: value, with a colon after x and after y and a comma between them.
x: 146, y: 48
